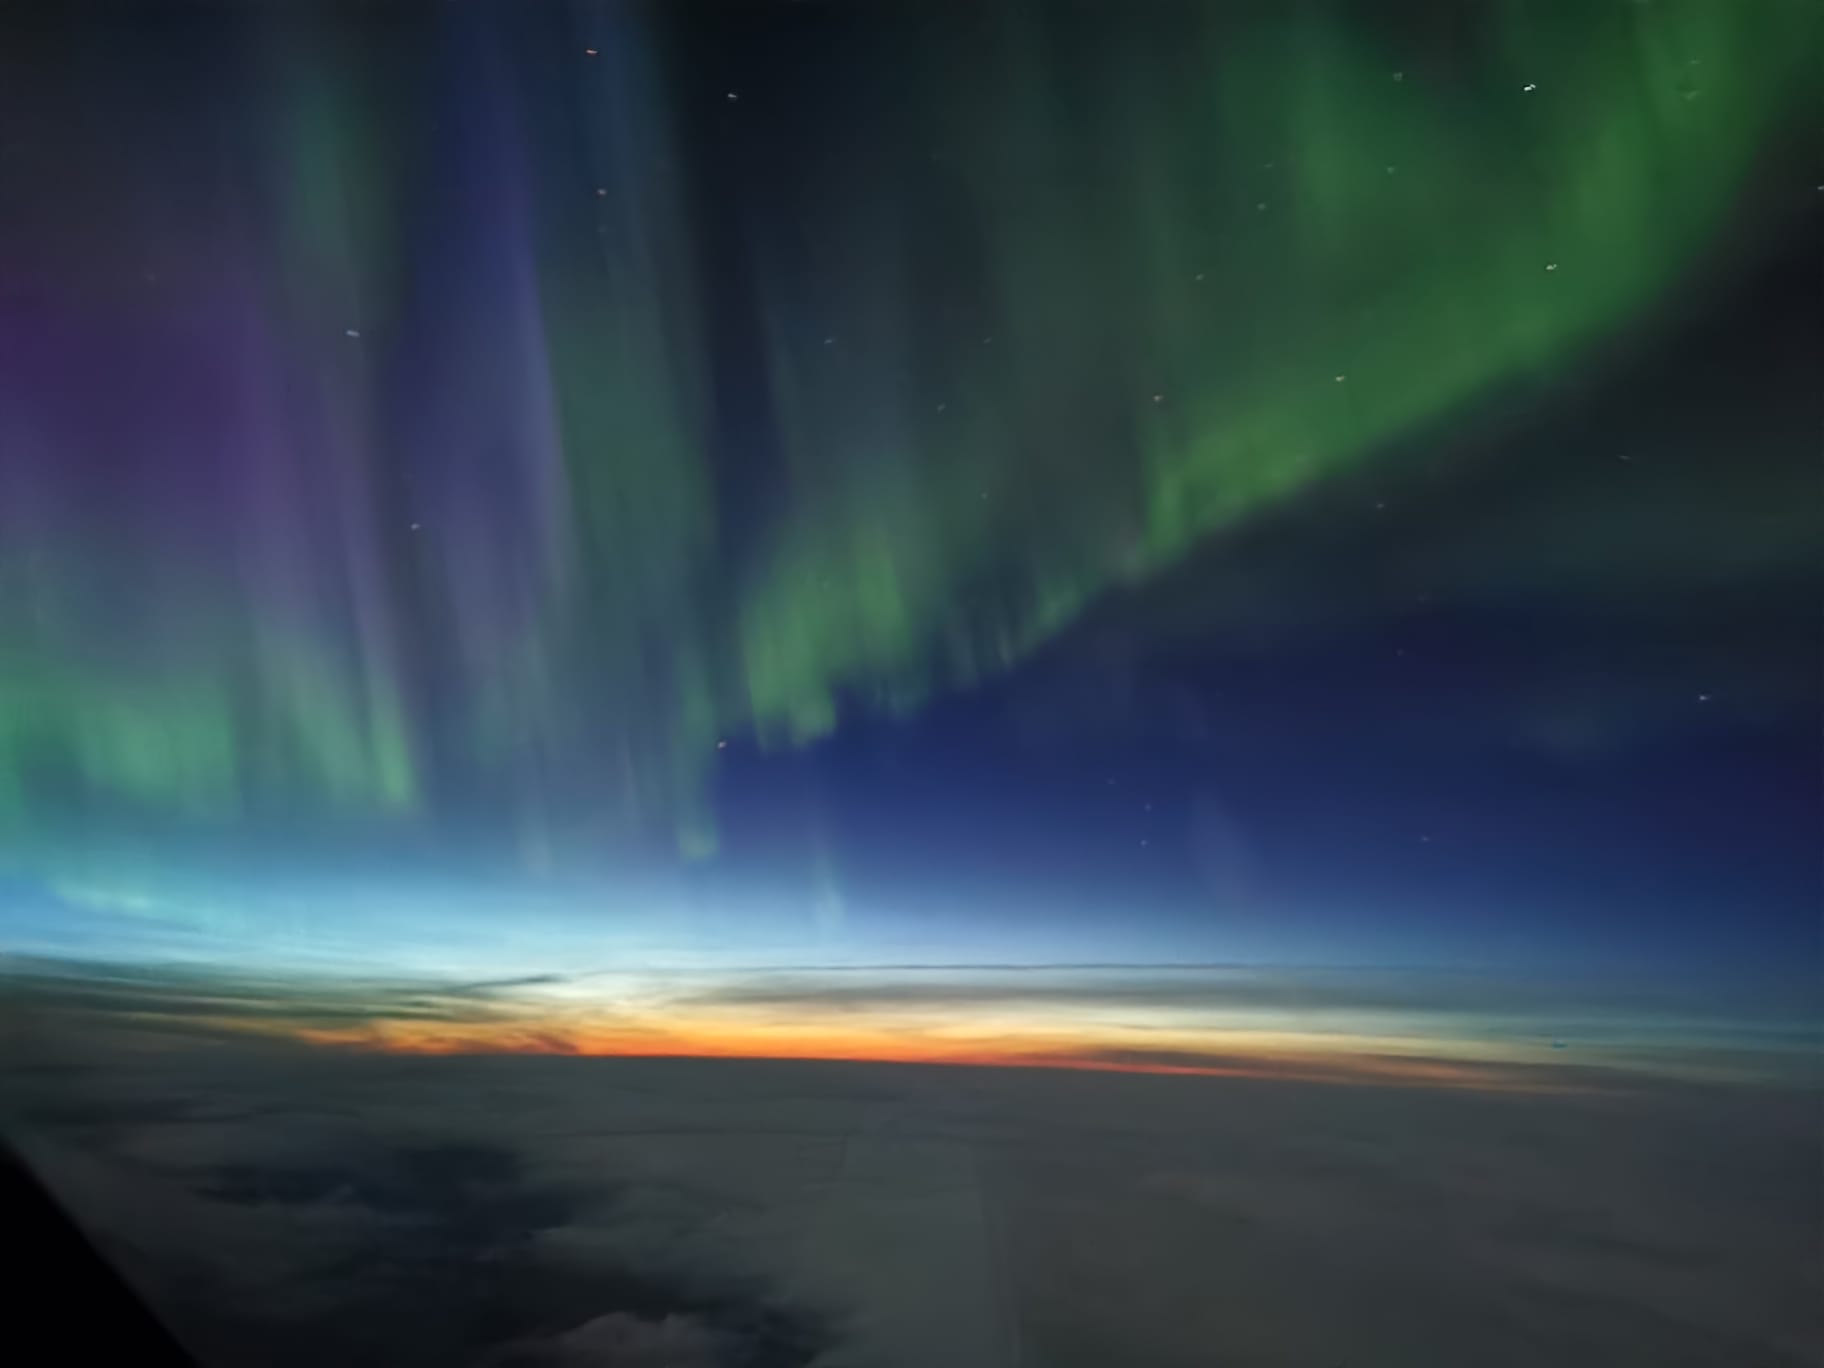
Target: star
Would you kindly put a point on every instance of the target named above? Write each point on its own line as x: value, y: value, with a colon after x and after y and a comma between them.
x: 1551, y: 265
x: 351, y: 332
x: 417, y: 526
x: 733, y: 96
x: 601, y: 192
x: 590, y: 52
x: 1704, y: 697
x: 721, y: 745
x: 1399, y: 75
x: 1341, y: 378
x: 1529, y: 87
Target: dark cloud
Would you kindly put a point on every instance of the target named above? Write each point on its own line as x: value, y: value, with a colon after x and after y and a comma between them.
x: 618, y: 1340
x: 303, y: 1231
x: 1357, y: 1067
x: 213, y: 999
x: 1487, y: 995
x: 487, y: 986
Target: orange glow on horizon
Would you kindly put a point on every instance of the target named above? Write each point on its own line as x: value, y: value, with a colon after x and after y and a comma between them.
x: 1234, y: 1055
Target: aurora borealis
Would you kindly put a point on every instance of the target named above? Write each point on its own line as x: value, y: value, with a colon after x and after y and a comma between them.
x: 470, y: 459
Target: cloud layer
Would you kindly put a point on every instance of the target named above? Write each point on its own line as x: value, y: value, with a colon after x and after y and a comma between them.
x: 289, y: 1206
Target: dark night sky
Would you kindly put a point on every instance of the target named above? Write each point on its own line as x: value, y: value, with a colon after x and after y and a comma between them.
x: 1529, y: 771
x: 1027, y: 482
